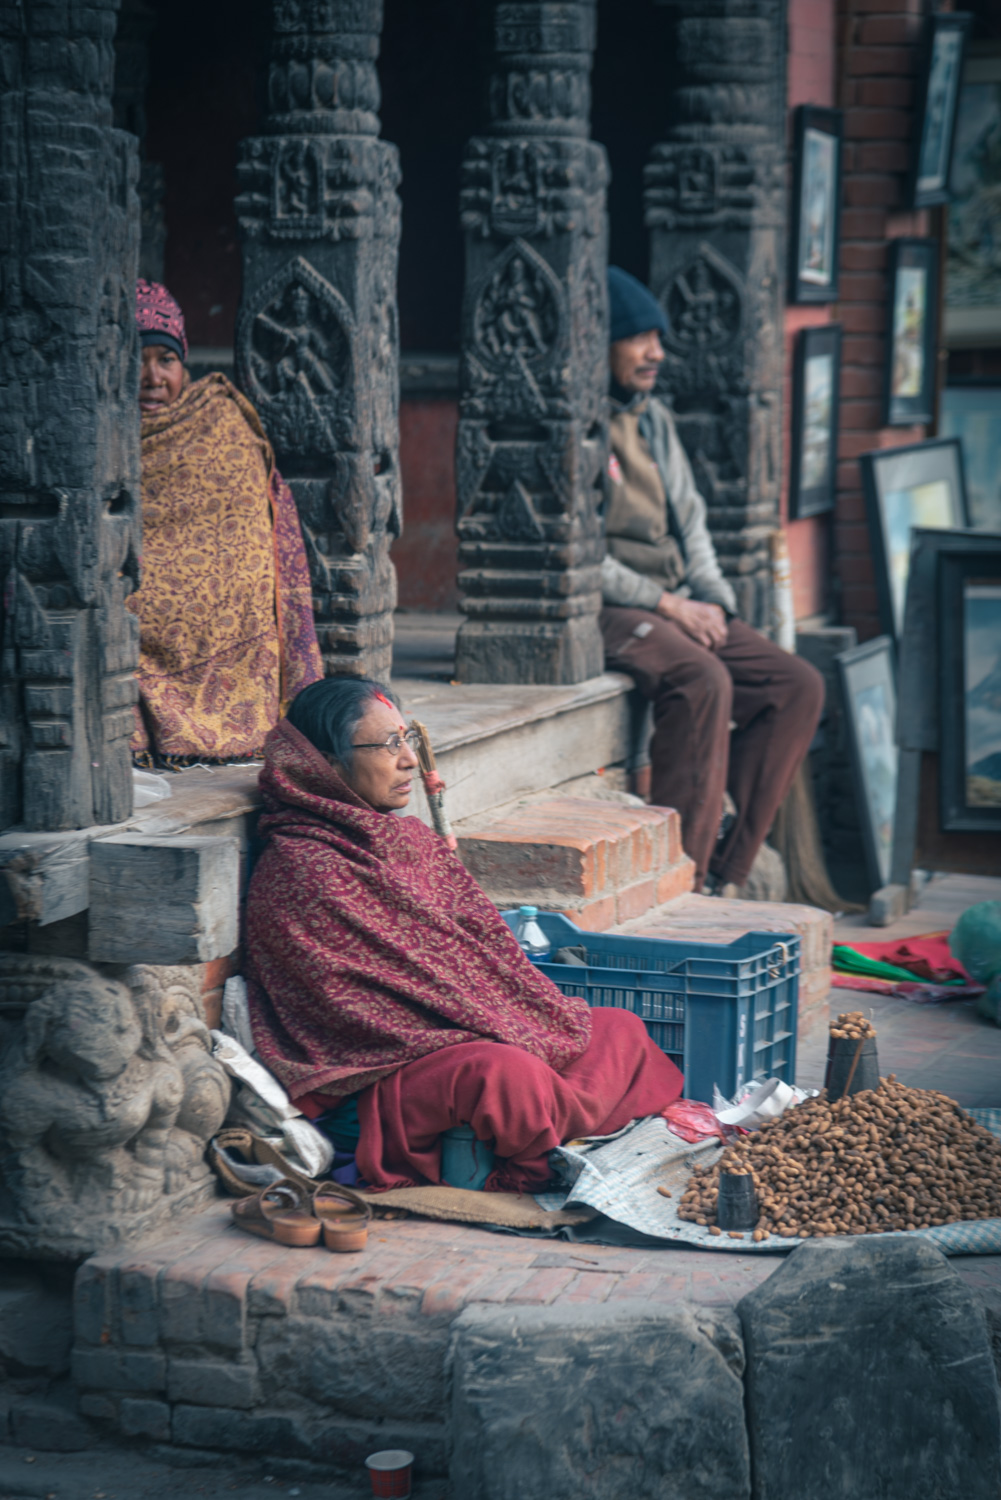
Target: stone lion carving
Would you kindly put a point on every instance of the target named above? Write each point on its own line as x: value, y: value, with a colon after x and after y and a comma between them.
x: 107, y: 1098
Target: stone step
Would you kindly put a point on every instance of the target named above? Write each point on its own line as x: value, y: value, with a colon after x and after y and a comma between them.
x: 214, y: 1343
x: 597, y: 862
x: 711, y: 919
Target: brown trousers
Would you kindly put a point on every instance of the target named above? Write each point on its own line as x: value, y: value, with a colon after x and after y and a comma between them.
x: 772, y: 697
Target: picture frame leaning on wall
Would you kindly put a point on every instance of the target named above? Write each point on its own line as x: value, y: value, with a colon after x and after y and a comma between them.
x: 937, y: 96
x: 912, y: 333
x: 969, y: 589
x: 869, y: 694
x: 920, y: 484
x: 815, y: 221
x: 815, y: 402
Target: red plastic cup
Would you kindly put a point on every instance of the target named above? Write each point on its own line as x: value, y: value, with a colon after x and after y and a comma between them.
x: 389, y: 1472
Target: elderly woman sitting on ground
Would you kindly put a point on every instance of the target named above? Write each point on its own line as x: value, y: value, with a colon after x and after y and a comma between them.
x: 378, y: 969
x: 225, y: 608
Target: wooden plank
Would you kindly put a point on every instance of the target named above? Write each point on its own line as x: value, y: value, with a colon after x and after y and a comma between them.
x: 163, y: 901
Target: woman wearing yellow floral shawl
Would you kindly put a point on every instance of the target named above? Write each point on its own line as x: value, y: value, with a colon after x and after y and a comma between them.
x: 225, y: 608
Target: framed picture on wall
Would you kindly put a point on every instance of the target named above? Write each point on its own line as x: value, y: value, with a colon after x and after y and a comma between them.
x: 971, y: 411
x: 938, y: 100
x: 911, y: 336
x: 869, y: 693
x: 970, y: 688
x: 919, y: 485
x: 816, y: 382
x: 816, y: 205
x: 973, y: 265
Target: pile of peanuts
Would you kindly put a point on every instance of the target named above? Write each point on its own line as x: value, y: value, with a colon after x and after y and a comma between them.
x: 882, y: 1159
x: 853, y: 1026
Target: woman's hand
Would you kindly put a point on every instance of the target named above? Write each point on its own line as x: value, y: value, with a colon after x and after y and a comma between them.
x: 705, y: 623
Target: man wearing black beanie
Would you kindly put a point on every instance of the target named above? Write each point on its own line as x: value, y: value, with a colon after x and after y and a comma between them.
x: 731, y: 709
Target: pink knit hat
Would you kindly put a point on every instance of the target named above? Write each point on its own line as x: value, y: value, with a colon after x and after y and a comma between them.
x: 159, y: 318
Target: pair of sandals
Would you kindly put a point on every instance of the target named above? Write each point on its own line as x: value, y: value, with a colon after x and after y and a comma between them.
x: 288, y: 1214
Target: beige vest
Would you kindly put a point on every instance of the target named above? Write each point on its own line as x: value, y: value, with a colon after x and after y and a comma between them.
x: 636, y: 515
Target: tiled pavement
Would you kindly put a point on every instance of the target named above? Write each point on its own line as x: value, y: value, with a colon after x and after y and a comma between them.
x: 947, y: 1047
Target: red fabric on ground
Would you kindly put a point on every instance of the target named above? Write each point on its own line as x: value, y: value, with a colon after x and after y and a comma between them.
x: 926, y: 956
x: 513, y: 1101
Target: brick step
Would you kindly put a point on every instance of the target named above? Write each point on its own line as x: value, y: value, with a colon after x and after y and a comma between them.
x: 710, y: 919
x: 597, y: 862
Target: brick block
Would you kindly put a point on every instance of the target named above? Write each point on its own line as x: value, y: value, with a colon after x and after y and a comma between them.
x: 94, y: 1301
x: 137, y: 1298
x: 98, y: 1408
x: 885, y: 93
x: 180, y: 1290
x: 572, y: 854
x: 144, y: 1418
x: 878, y: 125
x: 204, y: 1382
x: 231, y: 1431
x: 272, y: 1292
x: 677, y: 881
x: 901, y: 30
x: 444, y: 1298
x: 862, y: 224
x: 635, y: 900
x: 863, y: 317
x: 591, y: 916
x: 871, y: 190
x: 857, y: 382
x: 118, y: 1370
x: 163, y: 901
x: 224, y: 1307
x: 884, y: 156
x: 878, y: 62
x: 542, y: 1286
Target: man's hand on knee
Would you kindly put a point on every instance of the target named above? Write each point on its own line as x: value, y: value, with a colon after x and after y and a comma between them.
x: 705, y: 623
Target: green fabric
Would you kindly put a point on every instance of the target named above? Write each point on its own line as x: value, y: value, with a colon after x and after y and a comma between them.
x: 846, y: 961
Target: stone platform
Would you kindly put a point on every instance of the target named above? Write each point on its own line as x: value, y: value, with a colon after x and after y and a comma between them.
x: 217, y: 1343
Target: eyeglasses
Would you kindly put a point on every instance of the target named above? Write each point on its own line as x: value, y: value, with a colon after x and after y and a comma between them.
x: 395, y: 743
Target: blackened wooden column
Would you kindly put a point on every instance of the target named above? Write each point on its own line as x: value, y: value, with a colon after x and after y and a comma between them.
x: 317, y: 346
x: 715, y: 206
x: 534, y: 370
x: 69, y: 420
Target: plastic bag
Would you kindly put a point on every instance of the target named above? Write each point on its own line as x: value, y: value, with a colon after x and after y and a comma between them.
x: 692, y: 1120
x: 762, y: 1099
x: 262, y: 1103
x: 148, y: 787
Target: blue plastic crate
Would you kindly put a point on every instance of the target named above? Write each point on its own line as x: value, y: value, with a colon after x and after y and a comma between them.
x: 724, y: 1012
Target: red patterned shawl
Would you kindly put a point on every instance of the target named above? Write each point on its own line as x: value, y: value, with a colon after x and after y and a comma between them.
x: 368, y: 945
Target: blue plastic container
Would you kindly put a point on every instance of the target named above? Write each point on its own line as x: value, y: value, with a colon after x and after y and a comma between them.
x: 465, y: 1161
x: 724, y: 1012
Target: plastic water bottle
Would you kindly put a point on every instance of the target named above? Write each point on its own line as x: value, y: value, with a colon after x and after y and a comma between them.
x: 531, y: 938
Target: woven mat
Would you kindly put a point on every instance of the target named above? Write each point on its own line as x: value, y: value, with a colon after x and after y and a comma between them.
x: 620, y: 1178
x: 463, y: 1206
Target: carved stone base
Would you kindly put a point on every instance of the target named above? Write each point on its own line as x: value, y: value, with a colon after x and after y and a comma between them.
x: 558, y: 652
x: 108, y: 1096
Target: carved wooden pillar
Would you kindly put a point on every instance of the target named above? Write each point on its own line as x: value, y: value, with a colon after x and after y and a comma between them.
x: 534, y: 371
x: 135, y: 26
x: 69, y: 421
x: 715, y: 201
x: 317, y: 345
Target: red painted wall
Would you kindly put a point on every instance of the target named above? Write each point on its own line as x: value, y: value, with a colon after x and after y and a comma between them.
x: 426, y: 555
x: 878, y: 53
x: 810, y: 80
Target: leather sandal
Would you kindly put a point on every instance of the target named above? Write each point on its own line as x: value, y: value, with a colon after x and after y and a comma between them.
x: 344, y: 1215
x: 281, y: 1212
